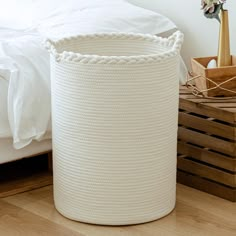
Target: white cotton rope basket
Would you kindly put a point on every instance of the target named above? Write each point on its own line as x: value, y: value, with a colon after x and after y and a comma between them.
x: 114, y: 122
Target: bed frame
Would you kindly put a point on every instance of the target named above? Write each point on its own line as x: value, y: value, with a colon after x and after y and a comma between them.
x: 8, y: 153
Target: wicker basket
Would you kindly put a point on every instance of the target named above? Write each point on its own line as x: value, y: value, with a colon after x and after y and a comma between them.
x: 114, y: 117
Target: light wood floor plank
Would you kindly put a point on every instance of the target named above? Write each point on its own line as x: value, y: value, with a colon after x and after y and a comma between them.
x: 196, y: 213
x: 9, y: 188
x: 16, y: 221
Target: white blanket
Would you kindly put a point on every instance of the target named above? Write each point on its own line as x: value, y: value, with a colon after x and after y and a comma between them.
x: 24, y: 65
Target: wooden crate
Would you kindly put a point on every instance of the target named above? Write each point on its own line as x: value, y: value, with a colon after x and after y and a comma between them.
x: 207, y: 144
x: 218, y: 75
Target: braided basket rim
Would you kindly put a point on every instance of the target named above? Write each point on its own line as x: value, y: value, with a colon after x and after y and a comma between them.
x: 174, y: 42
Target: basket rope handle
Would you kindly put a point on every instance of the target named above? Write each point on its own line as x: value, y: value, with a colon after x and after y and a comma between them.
x: 176, y: 40
x: 51, y: 48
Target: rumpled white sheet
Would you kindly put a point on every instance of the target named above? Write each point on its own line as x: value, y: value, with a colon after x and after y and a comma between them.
x: 24, y: 65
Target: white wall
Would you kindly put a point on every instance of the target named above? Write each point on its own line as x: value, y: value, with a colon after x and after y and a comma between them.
x: 201, y: 34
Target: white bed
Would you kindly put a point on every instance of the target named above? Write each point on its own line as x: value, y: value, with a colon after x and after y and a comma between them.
x: 8, y: 153
x: 18, y: 114
x: 24, y: 63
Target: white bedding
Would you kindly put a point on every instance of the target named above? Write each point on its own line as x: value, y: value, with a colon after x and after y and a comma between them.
x: 5, y: 131
x: 24, y: 63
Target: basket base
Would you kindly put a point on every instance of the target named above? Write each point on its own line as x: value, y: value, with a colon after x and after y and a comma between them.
x: 117, y: 222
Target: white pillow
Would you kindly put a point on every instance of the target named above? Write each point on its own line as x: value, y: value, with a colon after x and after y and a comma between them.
x: 15, y: 14
x: 72, y: 17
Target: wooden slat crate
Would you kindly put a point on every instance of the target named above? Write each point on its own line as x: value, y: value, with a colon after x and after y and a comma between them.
x: 207, y: 144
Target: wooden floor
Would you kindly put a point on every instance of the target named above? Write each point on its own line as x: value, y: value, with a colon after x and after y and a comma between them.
x: 197, y: 213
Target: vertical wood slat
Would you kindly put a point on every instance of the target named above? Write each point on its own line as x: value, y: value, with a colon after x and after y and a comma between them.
x: 50, y: 162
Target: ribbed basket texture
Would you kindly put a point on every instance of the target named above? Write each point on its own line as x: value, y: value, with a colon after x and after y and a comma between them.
x: 114, y: 118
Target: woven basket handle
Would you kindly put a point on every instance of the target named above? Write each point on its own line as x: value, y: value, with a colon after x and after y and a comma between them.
x: 176, y: 40
x: 51, y: 48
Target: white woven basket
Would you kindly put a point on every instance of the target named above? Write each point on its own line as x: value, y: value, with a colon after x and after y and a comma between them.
x: 114, y: 117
